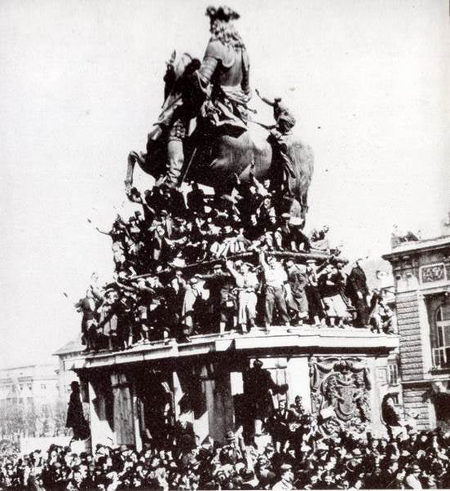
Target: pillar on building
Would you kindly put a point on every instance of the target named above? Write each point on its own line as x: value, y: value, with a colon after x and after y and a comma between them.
x: 379, y: 379
x: 101, y: 412
x: 203, y: 399
x: 219, y: 403
x: 136, y: 419
x: 298, y: 379
x: 123, y: 410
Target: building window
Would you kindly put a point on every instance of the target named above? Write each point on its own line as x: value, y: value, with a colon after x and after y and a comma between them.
x: 43, y: 386
x: 395, y: 399
x: 393, y: 374
x: 441, y: 350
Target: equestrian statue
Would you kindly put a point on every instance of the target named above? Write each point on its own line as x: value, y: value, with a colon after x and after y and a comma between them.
x: 204, y: 132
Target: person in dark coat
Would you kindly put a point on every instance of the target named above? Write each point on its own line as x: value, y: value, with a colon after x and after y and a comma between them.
x: 279, y: 423
x: 221, y: 285
x: 75, y: 416
x: 258, y: 387
x: 315, y: 306
x: 196, y: 199
x: 297, y: 281
x: 358, y: 291
x: 390, y: 414
x: 88, y: 306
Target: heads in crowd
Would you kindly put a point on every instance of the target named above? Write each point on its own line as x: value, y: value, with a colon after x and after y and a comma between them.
x: 307, y: 459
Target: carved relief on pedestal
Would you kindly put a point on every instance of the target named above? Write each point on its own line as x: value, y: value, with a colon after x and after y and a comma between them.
x: 340, y: 390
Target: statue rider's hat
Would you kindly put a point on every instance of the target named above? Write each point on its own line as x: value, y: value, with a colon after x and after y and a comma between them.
x: 222, y: 13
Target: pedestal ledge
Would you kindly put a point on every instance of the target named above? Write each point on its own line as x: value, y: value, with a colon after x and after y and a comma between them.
x: 278, y: 341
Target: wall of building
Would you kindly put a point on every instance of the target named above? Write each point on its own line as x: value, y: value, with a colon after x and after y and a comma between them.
x: 422, y: 276
x: 29, y: 401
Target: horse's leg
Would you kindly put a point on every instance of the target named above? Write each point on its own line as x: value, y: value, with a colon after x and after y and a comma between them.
x: 175, y: 155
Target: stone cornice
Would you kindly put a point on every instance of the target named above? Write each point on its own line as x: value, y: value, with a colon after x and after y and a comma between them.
x: 280, y: 342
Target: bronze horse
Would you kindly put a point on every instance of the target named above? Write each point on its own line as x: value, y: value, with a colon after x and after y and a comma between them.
x: 213, y: 159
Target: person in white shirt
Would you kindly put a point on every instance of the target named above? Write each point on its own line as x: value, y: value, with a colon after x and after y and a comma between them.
x: 275, y: 278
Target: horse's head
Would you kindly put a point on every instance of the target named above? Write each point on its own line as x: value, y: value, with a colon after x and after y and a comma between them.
x: 178, y: 67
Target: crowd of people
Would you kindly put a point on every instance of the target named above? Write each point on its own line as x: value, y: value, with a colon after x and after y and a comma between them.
x: 194, y: 263
x: 176, y: 228
x: 301, y: 457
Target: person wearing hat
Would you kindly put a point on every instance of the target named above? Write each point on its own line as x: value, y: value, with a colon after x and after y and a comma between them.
x: 279, y: 424
x: 89, y: 307
x: 223, y: 302
x: 109, y: 318
x: 297, y: 282
x: 286, y: 478
x: 231, y: 452
x: 174, y: 293
x: 75, y: 416
x: 315, y: 306
x: 196, y: 200
x: 280, y: 136
x: 247, y: 284
x: 358, y: 291
x: 412, y: 479
x: 264, y: 472
x: 258, y: 389
x: 330, y: 286
x: 194, y: 293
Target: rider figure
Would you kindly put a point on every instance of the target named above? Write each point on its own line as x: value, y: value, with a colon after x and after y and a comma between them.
x: 222, y: 80
x: 216, y: 90
x: 279, y: 137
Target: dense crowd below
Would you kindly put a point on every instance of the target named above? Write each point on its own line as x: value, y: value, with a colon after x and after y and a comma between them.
x: 194, y: 264
x: 300, y: 457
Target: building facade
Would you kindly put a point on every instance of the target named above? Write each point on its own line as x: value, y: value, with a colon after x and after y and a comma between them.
x: 28, y: 400
x: 421, y: 270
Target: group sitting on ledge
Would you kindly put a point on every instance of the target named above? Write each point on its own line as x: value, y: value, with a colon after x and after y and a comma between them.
x: 185, y: 267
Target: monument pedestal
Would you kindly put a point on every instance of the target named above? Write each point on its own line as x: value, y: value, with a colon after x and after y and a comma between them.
x: 204, y: 380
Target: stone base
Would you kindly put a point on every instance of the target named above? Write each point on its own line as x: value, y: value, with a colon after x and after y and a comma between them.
x: 203, y: 382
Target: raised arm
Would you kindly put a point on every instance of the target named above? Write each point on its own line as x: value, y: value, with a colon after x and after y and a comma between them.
x: 230, y: 268
x: 264, y: 99
x: 101, y: 231
x: 262, y: 261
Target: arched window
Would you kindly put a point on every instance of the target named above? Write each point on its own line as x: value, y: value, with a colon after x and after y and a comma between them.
x: 441, y: 351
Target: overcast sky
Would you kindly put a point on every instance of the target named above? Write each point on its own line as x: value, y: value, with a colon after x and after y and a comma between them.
x: 80, y: 85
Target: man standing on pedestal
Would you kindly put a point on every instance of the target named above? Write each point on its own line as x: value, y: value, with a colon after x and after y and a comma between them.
x: 297, y: 282
x: 247, y: 284
x: 221, y: 285
x: 358, y: 291
x: 275, y: 278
